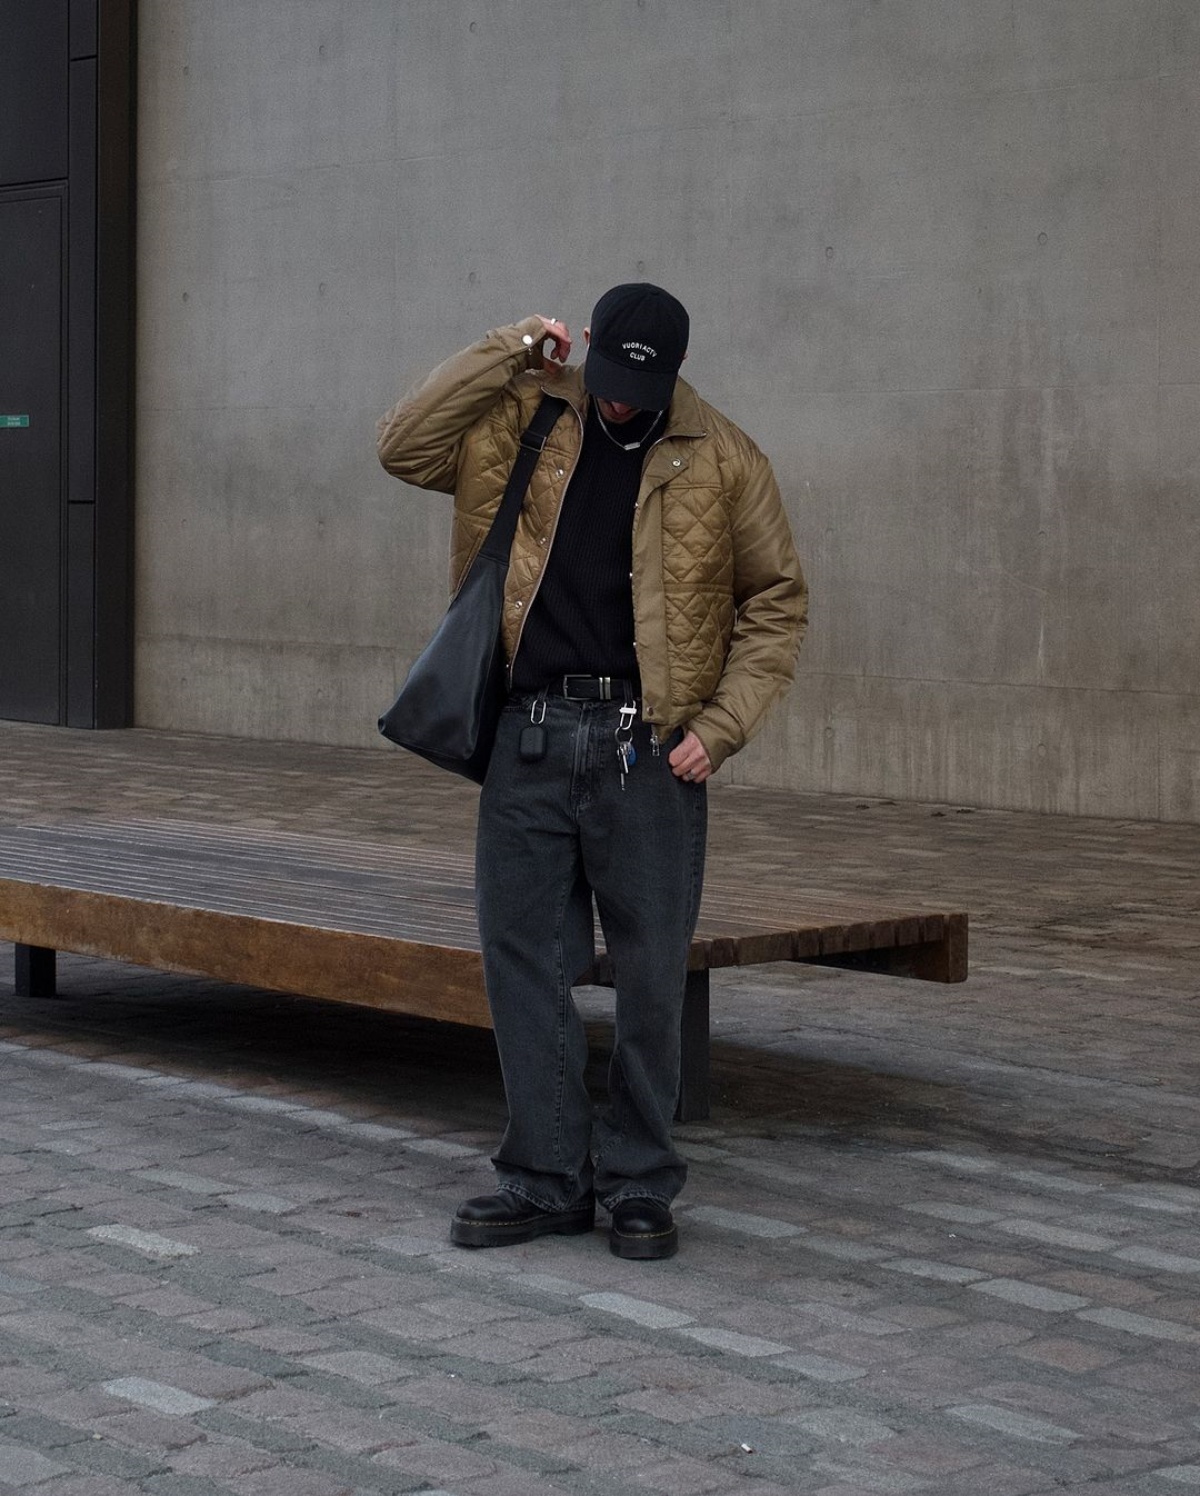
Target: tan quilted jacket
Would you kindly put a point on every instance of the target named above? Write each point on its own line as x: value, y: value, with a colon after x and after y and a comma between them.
x: 719, y: 599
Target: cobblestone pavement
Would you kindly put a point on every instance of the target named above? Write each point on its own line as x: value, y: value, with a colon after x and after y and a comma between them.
x: 939, y: 1240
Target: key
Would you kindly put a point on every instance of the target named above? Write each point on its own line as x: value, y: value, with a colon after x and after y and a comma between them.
x: 626, y: 752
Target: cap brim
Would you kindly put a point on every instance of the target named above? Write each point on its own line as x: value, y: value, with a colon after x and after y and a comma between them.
x: 646, y: 389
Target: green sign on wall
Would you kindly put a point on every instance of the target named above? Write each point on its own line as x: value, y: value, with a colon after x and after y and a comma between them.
x: 14, y: 420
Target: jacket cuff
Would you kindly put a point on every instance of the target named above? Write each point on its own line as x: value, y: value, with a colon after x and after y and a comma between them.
x: 531, y: 328
x: 719, y: 731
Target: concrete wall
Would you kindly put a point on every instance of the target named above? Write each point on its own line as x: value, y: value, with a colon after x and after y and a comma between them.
x: 943, y: 261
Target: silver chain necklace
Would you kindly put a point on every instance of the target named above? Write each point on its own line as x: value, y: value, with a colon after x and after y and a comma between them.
x: 629, y: 446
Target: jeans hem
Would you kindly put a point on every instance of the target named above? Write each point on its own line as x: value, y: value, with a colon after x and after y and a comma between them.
x: 540, y: 1202
x: 610, y: 1204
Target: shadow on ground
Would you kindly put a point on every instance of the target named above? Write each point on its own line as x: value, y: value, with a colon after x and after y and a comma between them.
x: 790, y: 1083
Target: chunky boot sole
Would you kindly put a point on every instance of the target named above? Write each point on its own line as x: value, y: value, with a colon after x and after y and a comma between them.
x: 510, y: 1233
x: 643, y: 1246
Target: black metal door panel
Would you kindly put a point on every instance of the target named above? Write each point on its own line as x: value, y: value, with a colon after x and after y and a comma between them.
x: 33, y: 90
x: 30, y: 457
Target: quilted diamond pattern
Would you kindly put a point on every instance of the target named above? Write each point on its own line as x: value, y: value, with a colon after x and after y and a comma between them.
x: 720, y: 597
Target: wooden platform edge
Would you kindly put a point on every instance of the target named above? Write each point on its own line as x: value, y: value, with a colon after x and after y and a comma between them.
x: 426, y: 981
x: 942, y: 958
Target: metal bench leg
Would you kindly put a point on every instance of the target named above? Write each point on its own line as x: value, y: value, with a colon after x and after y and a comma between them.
x: 693, y: 1032
x: 35, y: 971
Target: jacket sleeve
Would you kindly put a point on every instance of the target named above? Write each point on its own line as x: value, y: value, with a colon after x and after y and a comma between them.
x: 772, y: 612
x: 420, y: 439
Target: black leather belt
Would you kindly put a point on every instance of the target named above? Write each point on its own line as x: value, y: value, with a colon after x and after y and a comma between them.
x: 595, y: 688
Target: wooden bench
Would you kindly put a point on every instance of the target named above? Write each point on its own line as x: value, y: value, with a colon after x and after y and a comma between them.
x: 379, y: 924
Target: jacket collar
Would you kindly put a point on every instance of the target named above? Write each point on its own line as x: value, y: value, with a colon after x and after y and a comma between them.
x: 684, y: 419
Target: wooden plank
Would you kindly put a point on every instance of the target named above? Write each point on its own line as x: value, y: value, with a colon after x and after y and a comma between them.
x: 945, y: 960
x: 306, y: 865
x: 755, y: 949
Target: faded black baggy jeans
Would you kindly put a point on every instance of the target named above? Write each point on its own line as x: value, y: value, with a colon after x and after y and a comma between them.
x: 551, y: 834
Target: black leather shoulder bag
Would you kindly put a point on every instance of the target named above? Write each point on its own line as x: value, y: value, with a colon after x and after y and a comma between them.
x: 449, y: 707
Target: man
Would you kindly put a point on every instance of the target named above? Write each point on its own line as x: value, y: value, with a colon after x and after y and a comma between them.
x: 653, y: 607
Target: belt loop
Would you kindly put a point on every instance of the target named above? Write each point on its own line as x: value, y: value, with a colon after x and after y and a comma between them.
x: 606, y: 688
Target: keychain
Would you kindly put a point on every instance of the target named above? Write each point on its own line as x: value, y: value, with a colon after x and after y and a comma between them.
x: 626, y: 752
x: 532, y: 746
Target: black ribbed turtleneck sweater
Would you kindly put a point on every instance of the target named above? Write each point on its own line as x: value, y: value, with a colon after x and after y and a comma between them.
x: 581, y: 620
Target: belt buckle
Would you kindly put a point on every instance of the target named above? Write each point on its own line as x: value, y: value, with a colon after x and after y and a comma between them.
x: 603, y: 683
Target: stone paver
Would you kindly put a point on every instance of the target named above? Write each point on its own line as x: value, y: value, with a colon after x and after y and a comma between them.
x: 934, y: 1239
x: 148, y: 1242
x: 20, y: 1467
x: 156, y: 1395
x: 1031, y: 1295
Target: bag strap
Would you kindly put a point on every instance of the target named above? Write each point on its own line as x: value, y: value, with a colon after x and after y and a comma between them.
x: 533, y: 439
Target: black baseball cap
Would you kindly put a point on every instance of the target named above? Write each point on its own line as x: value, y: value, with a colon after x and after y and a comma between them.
x: 639, y: 335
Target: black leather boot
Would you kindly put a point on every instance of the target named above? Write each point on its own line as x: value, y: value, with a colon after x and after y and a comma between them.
x: 502, y: 1220
x: 643, y: 1229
